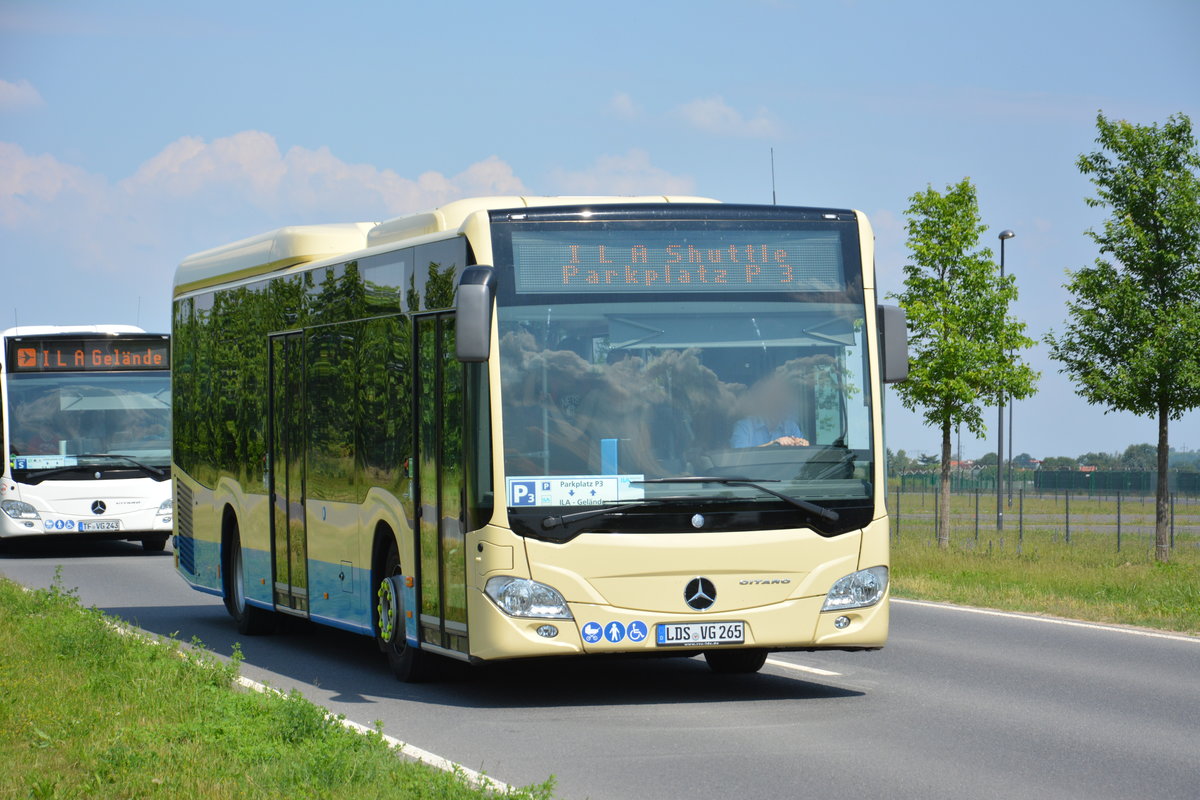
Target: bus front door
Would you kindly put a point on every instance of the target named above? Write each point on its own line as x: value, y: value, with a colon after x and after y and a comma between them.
x: 439, y: 443
x: 289, y: 537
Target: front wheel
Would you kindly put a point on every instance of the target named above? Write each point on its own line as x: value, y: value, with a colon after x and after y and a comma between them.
x: 250, y: 620
x: 735, y: 662
x: 407, y: 663
x: 154, y: 544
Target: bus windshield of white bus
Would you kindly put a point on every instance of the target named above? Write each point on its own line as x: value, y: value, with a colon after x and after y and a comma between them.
x: 637, y: 357
x: 91, y: 406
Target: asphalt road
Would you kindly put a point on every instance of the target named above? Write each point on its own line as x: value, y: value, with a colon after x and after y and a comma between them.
x: 959, y: 705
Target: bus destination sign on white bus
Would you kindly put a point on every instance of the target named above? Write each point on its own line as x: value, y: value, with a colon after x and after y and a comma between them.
x: 87, y: 355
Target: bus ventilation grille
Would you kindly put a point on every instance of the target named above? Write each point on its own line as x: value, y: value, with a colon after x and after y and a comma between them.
x: 185, y: 545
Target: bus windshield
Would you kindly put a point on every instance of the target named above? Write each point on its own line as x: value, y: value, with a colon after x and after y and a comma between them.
x: 716, y: 351
x: 62, y: 420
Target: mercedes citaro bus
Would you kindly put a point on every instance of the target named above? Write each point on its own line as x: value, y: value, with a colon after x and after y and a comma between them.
x: 519, y: 427
x: 86, y: 416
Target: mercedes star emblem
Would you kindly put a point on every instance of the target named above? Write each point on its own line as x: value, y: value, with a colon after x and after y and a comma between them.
x: 700, y: 593
x: 98, y: 507
x: 697, y: 521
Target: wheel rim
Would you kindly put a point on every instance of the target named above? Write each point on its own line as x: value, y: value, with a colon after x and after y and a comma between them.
x: 387, y: 611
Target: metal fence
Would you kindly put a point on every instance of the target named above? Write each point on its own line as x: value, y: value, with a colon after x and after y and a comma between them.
x: 1113, y: 520
x: 1048, y: 481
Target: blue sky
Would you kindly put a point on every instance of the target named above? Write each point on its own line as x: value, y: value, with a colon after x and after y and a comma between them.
x: 133, y: 134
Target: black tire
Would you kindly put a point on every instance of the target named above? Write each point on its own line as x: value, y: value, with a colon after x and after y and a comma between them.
x: 250, y: 620
x: 155, y: 544
x: 735, y: 662
x: 407, y: 663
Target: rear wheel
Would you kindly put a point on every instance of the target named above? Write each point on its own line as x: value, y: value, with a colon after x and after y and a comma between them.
x: 250, y: 620
x: 407, y: 663
x: 154, y: 544
x: 735, y: 662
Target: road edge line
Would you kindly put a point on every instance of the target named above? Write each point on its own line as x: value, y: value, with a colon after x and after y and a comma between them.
x: 474, y: 778
x: 1101, y: 626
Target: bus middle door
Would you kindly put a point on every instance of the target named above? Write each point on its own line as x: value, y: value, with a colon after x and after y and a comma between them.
x: 440, y: 473
x: 289, y: 535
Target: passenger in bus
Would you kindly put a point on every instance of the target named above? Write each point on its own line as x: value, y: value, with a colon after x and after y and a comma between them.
x: 771, y: 420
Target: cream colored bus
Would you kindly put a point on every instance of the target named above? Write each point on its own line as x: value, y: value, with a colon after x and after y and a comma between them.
x: 517, y: 427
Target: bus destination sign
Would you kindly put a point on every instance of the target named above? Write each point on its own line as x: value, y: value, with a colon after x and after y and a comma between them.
x: 109, y: 354
x: 697, y: 261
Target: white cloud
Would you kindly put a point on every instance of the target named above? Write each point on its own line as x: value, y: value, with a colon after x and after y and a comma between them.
x: 622, y: 105
x: 714, y: 115
x: 196, y: 193
x: 19, y: 95
x: 251, y: 166
x: 628, y: 174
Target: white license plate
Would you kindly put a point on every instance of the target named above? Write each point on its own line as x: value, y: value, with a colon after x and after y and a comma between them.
x: 699, y: 634
x: 100, y: 525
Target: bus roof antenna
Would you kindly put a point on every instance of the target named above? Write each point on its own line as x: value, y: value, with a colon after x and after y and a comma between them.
x: 773, y: 201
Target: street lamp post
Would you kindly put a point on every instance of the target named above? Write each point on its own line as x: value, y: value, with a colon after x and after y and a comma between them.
x: 1005, y: 235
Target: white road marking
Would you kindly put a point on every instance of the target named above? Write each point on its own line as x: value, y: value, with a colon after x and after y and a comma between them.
x: 775, y: 662
x: 1174, y: 637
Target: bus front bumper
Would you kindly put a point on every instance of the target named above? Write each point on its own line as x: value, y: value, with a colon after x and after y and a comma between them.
x: 795, y: 624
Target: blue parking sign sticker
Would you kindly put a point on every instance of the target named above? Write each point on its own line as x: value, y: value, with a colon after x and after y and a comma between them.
x: 636, y: 631
x: 523, y: 493
x: 591, y: 633
x: 614, y: 632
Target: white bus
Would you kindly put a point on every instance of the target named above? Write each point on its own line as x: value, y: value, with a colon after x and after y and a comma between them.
x: 86, y: 419
x: 517, y: 427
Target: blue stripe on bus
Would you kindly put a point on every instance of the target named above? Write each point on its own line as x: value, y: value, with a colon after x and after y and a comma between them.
x: 349, y: 610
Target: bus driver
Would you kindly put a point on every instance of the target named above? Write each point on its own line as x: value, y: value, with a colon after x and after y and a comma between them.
x: 771, y: 420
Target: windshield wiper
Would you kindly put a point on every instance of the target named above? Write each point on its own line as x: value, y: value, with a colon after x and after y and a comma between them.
x: 826, y: 514
x: 34, y: 477
x: 153, y: 472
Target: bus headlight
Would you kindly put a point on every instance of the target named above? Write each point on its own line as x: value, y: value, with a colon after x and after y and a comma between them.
x: 519, y: 597
x: 857, y: 590
x: 18, y: 510
x: 165, y: 508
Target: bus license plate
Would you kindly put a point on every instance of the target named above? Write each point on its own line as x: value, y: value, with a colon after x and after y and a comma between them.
x: 100, y: 525
x: 700, y: 634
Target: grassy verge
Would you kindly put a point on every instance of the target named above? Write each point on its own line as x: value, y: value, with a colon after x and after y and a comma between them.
x: 1083, y: 580
x: 86, y: 712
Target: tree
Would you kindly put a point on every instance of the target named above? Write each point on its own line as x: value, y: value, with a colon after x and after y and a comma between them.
x: 1139, y: 456
x: 987, y: 459
x: 1100, y: 461
x: 1059, y: 462
x: 1023, y: 461
x: 898, y: 462
x: 964, y: 346
x: 1132, y: 341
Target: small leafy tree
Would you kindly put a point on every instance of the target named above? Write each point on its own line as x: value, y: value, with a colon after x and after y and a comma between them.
x: 1139, y: 456
x: 1132, y: 341
x: 1059, y: 462
x: 964, y: 346
x: 1100, y: 460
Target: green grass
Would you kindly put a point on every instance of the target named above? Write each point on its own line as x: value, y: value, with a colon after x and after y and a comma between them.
x: 86, y: 712
x: 1083, y: 579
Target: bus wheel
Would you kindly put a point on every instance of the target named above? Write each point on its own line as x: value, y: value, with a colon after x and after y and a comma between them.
x: 154, y: 544
x: 407, y: 663
x: 735, y: 662
x: 250, y: 620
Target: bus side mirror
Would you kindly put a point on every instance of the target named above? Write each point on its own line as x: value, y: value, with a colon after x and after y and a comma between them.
x: 473, y: 325
x: 893, y: 343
